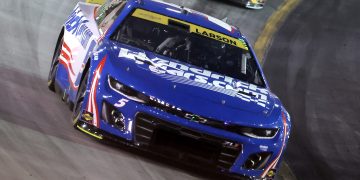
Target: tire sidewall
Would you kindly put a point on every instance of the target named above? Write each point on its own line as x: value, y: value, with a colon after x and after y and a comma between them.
x: 82, y: 90
x: 54, y: 64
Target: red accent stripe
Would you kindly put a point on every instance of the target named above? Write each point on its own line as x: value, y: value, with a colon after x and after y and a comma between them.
x: 68, y: 57
x: 89, y: 105
x: 71, y: 83
x: 233, y: 29
x: 65, y: 55
x: 66, y: 47
x: 273, y: 163
x: 93, y: 91
x: 96, y: 108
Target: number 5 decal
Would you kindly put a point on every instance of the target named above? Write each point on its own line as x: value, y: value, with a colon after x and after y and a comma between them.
x: 121, y: 103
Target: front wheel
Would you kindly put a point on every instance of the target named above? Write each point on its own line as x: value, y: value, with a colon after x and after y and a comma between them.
x: 79, y: 102
x: 54, y: 65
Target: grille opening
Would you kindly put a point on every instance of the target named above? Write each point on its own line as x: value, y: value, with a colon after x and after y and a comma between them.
x: 185, y: 145
x: 112, y: 116
x: 257, y: 161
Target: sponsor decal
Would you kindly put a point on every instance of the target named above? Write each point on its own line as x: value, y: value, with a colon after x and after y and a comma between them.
x: 216, y: 36
x: 195, y: 118
x: 263, y: 147
x: 76, y: 25
x: 199, y: 77
x: 121, y: 103
x: 87, y: 116
x: 161, y: 19
x: 159, y: 101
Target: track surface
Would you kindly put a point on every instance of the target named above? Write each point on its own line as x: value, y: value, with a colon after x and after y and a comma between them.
x: 36, y: 137
x: 313, y: 65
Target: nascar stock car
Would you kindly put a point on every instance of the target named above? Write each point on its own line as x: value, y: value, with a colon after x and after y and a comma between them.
x: 253, y: 4
x: 168, y: 79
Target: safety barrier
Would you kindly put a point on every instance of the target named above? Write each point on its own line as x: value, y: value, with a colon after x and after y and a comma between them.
x: 96, y: 1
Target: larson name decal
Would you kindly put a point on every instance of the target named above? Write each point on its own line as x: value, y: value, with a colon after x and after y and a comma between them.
x: 215, y: 36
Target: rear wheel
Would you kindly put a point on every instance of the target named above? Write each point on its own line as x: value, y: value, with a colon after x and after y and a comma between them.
x: 79, y: 101
x: 54, y: 65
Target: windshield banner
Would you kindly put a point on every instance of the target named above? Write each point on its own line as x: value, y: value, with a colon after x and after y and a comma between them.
x: 161, y: 19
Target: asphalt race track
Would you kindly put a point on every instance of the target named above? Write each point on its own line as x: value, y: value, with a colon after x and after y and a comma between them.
x: 313, y: 65
x: 37, y: 140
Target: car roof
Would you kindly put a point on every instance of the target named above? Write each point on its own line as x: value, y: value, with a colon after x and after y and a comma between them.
x: 190, y: 16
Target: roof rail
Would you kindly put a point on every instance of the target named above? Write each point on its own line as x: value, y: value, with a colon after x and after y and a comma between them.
x: 183, y: 10
x: 141, y: 2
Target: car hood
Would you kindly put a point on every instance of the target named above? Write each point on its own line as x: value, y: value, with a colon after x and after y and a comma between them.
x: 194, y: 89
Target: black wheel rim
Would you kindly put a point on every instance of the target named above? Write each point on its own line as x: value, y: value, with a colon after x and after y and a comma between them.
x: 80, y: 99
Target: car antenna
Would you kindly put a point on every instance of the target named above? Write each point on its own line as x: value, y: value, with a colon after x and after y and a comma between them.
x: 183, y: 10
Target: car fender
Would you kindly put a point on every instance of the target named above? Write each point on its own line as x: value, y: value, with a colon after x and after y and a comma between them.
x: 81, y: 35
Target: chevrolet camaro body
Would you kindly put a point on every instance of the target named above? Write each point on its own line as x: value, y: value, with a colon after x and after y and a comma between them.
x: 162, y: 77
x: 253, y: 4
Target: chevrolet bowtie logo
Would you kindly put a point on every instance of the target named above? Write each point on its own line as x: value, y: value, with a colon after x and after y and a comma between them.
x: 195, y: 118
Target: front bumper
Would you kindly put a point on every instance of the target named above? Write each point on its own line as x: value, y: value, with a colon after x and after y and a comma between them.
x: 142, y: 124
x: 184, y: 143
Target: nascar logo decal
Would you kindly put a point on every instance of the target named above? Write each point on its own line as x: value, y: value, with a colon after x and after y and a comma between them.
x: 91, y: 105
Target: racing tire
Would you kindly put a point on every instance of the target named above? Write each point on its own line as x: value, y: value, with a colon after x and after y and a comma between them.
x: 54, y: 65
x: 79, y: 101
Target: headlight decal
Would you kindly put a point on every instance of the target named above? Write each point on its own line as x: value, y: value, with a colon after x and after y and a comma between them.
x: 258, y: 133
x: 127, y: 91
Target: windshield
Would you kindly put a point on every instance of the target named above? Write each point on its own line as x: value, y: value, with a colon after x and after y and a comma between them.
x: 196, y: 46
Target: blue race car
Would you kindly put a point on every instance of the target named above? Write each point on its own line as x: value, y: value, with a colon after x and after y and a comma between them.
x: 168, y: 79
x: 253, y: 4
